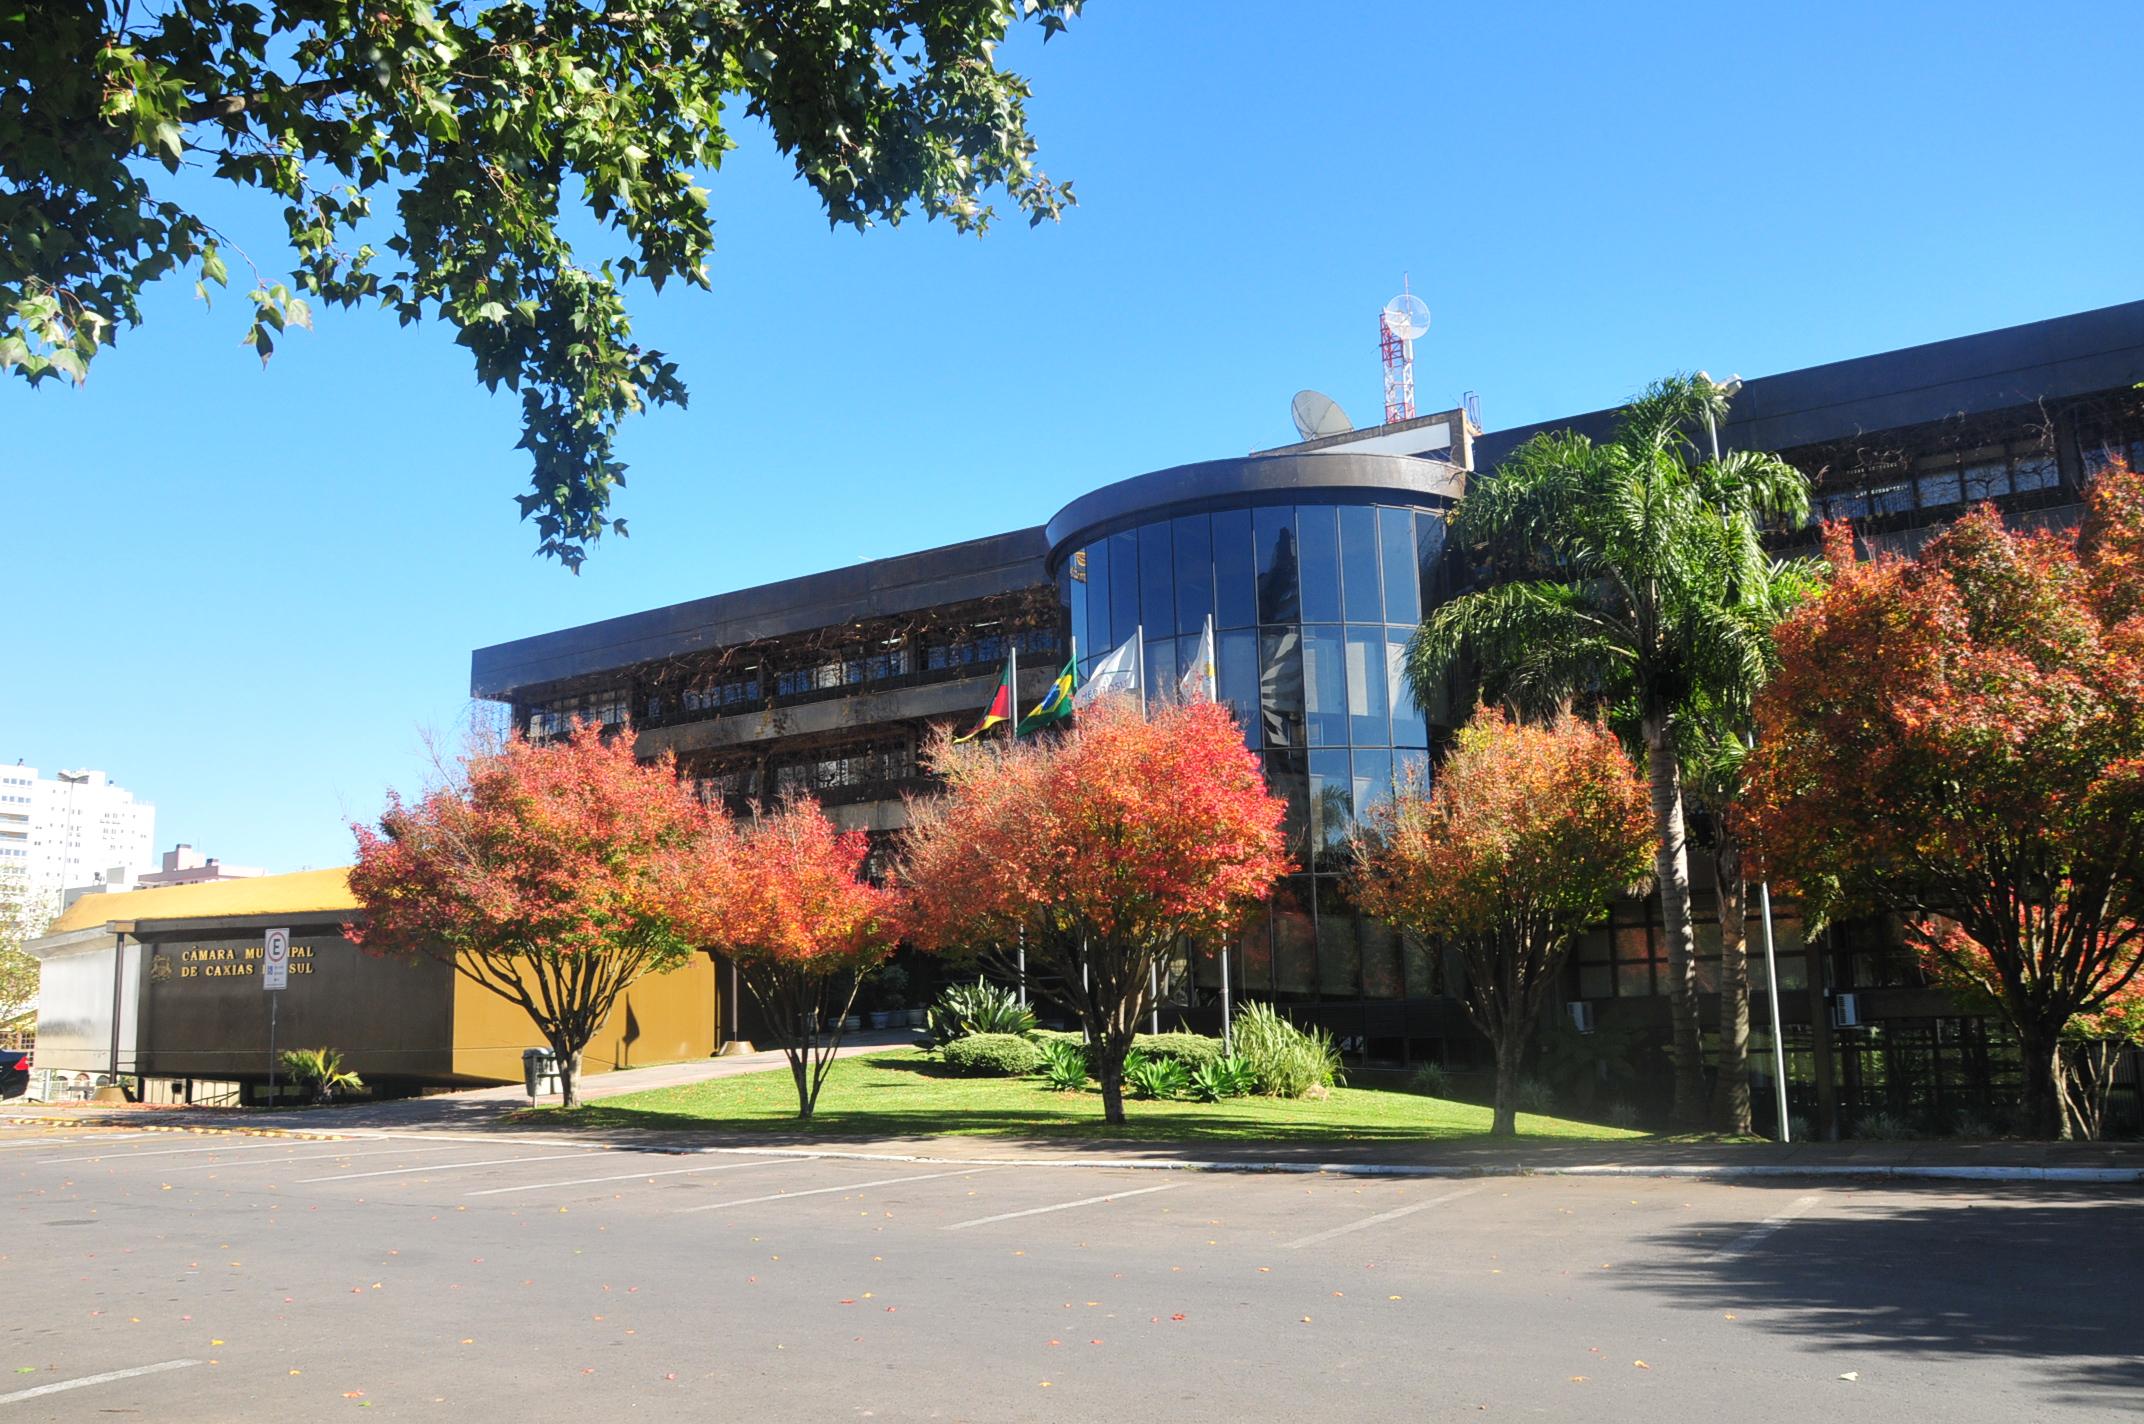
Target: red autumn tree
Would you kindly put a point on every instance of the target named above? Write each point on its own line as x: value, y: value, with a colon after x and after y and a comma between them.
x: 1958, y: 739
x: 1526, y: 834
x: 783, y: 895
x: 541, y: 872
x: 1105, y: 849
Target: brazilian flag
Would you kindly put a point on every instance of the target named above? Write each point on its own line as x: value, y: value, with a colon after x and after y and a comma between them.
x: 1055, y: 706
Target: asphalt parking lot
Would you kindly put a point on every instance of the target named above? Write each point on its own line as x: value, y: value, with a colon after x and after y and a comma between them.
x: 208, y: 1277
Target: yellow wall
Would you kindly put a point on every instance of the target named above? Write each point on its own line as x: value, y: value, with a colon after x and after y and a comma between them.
x: 665, y: 1018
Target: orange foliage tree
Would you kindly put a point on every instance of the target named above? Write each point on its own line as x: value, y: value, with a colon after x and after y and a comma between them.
x: 1106, y: 849
x: 1526, y: 833
x: 542, y: 872
x: 1958, y: 739
x: 783, y: 895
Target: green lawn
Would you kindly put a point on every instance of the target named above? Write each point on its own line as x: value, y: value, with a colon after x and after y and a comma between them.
x: 905, y: 1093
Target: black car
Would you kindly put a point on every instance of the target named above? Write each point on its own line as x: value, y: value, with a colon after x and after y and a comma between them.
x: 14, y: 1073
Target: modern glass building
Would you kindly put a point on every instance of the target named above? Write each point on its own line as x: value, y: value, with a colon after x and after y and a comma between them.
x: 1315, y: 568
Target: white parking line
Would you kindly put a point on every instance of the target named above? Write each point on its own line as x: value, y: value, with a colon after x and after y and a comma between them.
x: 79, y: 1136
x: 1381, y: 1218
x: 1060, y: 1206
x: 446, y: 1167
x: 86, y: 1380
x: 844, y: 1187
x: 632, y: 1177
x: 313, y: 1157
x: 169, y: 1152
x: 1763, y: 1229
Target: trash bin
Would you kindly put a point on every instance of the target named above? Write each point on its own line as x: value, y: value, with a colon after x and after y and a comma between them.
x: 539, y: 1070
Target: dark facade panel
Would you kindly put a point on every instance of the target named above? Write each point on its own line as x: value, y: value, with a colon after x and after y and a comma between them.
x: 954, y: 573
x: 1336, y: 475
x: 1967, y: 375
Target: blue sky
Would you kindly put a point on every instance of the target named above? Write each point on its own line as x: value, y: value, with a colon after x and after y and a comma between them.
x: 249, y: 593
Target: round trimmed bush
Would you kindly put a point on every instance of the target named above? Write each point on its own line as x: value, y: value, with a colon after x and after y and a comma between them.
x: 993, y: 1055
x: 1193, y: 1050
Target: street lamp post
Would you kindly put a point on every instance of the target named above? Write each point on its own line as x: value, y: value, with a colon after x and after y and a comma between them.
x: 1729, y: 388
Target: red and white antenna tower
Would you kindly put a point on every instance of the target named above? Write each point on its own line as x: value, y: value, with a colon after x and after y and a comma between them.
x: 1404, y: 318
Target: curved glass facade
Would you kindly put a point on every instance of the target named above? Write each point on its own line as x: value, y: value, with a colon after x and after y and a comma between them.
x: 1313, y: 605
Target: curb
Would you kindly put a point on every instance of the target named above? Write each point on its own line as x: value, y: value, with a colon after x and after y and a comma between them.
x: 79, y: 1125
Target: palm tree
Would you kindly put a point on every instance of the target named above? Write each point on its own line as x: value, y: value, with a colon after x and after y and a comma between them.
x: 1615, y: 573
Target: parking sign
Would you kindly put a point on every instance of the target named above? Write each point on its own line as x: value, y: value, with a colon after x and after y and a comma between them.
x: 275, y: 959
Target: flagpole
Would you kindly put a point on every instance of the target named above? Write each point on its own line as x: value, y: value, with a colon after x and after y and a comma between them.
x: 1139, y: 637
x: 1228, y: 1043
x: 1012, y: 676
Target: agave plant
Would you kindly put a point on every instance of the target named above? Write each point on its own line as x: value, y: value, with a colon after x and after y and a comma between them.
x: 1155, y: 1077
x: 1228, y: 1077
x: 1064, y: 1065
x: 981, y: 1007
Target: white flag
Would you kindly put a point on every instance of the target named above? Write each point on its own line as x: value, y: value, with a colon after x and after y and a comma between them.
x: 1119, y: 672
x: 1198, y: 680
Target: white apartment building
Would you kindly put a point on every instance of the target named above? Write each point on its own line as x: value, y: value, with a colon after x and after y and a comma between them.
x: 69, y: 827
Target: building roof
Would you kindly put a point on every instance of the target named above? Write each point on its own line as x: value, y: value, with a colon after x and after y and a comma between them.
x: 1915, y: 385
x: 876, y: 588
x: 313, y: 892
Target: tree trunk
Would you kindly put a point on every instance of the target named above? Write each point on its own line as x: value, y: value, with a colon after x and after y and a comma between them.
x: 1671, y: 864
x: 1109, y: 1069
x: 2045, y: 1114
x: 1730, y: 1096
x: 569, y: 1077
x: 1507, y: 1048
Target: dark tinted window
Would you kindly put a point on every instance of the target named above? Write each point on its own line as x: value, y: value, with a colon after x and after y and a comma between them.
x: 1274, y: 532
x: 1157, y: 581
x: 1359, y: 589
x: 1318, y: 550
x: 1395, y: 531
x: 1332, y: 808
x: 1429, y: 532
x: 1234, y: 570
x: 1287, y: 776
x: 1236, y: 670
x: 1408, y: 726
x: 1368, y: 708
x: 1280, y: 686
x: 1100, y: 636
x: 1123, y: 586
x: 1194, y: 573
x: 1325, y: 686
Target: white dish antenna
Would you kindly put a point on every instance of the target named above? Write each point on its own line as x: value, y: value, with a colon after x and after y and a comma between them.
x: 1317, y: 414
x: 1407, y: 317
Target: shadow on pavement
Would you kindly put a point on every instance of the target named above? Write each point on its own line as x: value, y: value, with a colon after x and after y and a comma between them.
x: 2038, y: 1274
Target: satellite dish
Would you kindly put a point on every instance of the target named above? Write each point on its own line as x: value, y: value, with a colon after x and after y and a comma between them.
x: 1317, y: 414
x: 1407, y: 316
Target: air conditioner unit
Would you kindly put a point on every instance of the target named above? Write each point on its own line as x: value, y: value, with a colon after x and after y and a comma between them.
x: 1845, y: 1011
x: 1581, y: 1016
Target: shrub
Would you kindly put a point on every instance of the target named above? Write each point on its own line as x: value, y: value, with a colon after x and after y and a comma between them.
x: 993, y: 1055
x: 1883, y: 1127
x: 1064, y: 1065
x: 1228, y: 1077
x: 1432, y: 1080
x: 1622, y: 1112
x: 1155, y: 1077
x: 981, y: 1007
x: 1286, y: 1061
x: 1193, y: 1050
x: 320, y: 1072
x: 1536, y: 1096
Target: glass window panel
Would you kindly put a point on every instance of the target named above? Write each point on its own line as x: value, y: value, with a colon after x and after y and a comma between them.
x: 1793, y: 973
x: 1937, y: 490
x: 1255, y: 944
x: 1194, y: 573
x: 1318, y: 551
x: 1596, y: 981
x: 1236, y: 672
x: 1633, y: 942
x: 1101, y: 637
x: 1369, y: 717
x: 1633, y: 981
x: 1420, y: 963
x: 1593, y: 947
x: 1235, y: 570
x: 1280, y: 686
x: 1848, y: 504
x: 1295, y: 937
x: 1987, y: 479
x: 2036, y: 472
x: 1273, y: 532
x: 1075, y: 593
x: 1161, y: 669
x: 1382, y: 976
x: 1332, y: 809
x: 1339, y: 944
x: 1360, y: 590
x: 1403, y: 593
x: 1288, y: 777
x: 1325, y: 686
x: 1157, y: 581
x: 1892, y: 497
x: 1373, y: 779
x: 1429, y: 532
x: 1408, y: 727
x: 1410, y: 772
x: 1123, y: 586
